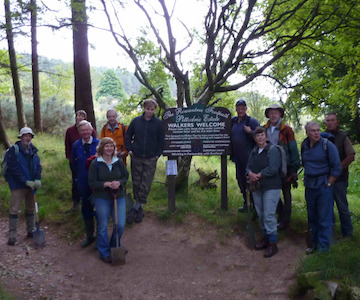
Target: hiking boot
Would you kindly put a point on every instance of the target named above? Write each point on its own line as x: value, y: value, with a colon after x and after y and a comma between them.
x: 271, y: 250
x: 310, y: 250
x: 262, y: 244
x: 139, y: 215
x: 283, y: 225
x: 131, y: 216
x: 89, y: 240
x: 106, y: 259
x: 242, y: 209
x: 11, y: 241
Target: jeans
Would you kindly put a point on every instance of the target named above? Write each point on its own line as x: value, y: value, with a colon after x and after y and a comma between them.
x: 265, y: 205
x: 320, y: 207
x: 104, y: 208
x: 339, y: 194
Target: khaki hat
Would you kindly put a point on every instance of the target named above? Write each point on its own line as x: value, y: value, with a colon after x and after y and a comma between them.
x: 274, y: 106
x: 25, y: 130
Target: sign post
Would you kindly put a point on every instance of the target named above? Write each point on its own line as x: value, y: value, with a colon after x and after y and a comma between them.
x: 198, y: 130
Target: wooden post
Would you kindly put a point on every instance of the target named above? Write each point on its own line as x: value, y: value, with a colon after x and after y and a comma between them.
x: 224, y: 200
x: 171, y: 189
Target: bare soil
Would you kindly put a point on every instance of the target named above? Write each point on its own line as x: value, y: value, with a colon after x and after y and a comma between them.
x: 165, y: 261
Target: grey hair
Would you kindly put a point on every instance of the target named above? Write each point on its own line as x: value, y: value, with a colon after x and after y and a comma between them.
x: 311, y: 124
x: 83, y: 123
x: 111, y: 109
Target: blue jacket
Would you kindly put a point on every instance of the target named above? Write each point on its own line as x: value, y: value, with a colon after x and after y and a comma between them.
x: 241, y: 142
x: 78, y: 160
x: 26, y: 166
x: 319, y: 163
x: 145, y: 138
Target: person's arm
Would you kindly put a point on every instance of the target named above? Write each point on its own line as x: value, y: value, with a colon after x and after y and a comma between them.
x: 93, y: 177
x: 14, y: 166
x: 67, y: 145
x: 129, y: 137
x: 349, y: 152
x: 294, y: 157
x: 335, y: 168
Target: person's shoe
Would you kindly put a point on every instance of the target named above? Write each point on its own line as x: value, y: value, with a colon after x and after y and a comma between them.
x: 262, y: 244
x: 106, y: 259
x: 11, y: 241
x: 283, y: 225
x: 242, y: 209
x: 309, y: 251
x: 30, y: 234
x: 89, y: 240
x: 131, y: 216
x: 139, y: 215
x: 271, y: 250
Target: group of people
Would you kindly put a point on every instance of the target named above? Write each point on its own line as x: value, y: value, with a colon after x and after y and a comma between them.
x: 99, y: 173
x: 257, y: 153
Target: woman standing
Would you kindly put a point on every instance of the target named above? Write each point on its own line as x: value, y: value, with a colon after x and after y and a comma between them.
x: 107, y: 173
x: 263, y: 171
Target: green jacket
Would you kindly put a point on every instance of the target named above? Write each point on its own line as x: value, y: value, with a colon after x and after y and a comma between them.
x: 99, y: 173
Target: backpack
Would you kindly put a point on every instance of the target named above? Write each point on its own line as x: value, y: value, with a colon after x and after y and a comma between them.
x: 4, y: 165
x: 283, y: 163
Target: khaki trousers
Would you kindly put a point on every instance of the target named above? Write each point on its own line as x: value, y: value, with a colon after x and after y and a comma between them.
x: 17, y: 196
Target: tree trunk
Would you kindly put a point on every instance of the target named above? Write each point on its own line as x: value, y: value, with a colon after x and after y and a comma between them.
x: 3, y: 137
x: 181, y: 181
x: 13, y: 67
x: 83, y: 95
x: 35, y: 69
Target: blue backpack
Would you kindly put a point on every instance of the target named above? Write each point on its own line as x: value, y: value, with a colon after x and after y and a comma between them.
x: 4, y: 165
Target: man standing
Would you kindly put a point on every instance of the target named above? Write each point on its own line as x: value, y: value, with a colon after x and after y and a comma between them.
x: 347, y: 156
x: 322, y: 166
x: 144, y: 141
x: 71, y: 136
x: 82, y: 149
x: 280, y: 134
x: 116, y: 131
x: 242, y: 142
x: 24, y: 177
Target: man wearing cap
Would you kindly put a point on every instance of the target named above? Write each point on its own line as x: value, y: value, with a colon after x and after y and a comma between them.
x: 280, y: 134
x: 116, y: 131
x: 347, y: 156
x: 242, y: 142
x: 23, y: 175
x: 71, y: 136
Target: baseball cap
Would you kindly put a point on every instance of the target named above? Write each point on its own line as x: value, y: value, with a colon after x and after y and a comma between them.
x: 240, y: 102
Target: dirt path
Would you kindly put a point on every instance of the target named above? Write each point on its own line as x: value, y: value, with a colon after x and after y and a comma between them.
x: 164, y: 262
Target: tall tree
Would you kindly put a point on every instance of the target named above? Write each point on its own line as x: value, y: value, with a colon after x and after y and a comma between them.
x: 35, y: 68
x: 13, y: 66
x: 83, y: 93
x: 111, y: 85
x: 240, y: 38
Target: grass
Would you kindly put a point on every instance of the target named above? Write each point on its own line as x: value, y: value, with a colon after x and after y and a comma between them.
x: 342, y: 263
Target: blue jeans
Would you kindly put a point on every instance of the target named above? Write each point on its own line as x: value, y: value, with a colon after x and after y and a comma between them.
x: 339, y: 194
x: 104, y: 208
x: 265, y: 205
x: 320, y: 208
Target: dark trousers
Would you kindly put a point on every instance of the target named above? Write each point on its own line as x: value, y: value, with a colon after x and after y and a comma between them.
x: 74, y: 189
x: 284, y: 208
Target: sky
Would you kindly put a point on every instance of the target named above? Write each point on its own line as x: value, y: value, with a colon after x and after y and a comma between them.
x: 103, y: 51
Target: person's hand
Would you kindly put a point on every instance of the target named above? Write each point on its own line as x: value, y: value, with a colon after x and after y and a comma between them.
x: 121, y: 154
x: 37, y: 184
x: 247, y: 129
x: 130, y: 153
x: 30, y: 184
x: 114, y: 185
x: 253, y: 177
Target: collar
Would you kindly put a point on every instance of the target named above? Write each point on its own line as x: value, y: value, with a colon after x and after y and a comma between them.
x: 89, y: 142
x: 115, y: 127
x: 113, y: 160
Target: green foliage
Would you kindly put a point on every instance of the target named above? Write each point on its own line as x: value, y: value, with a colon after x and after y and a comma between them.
x: 324, y: 72
x: 110, y: 85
